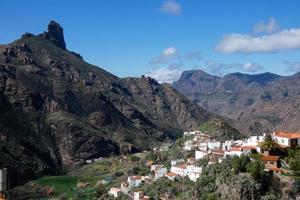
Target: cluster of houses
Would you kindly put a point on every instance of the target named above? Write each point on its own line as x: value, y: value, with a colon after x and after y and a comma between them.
x: 215, y: 151
x: 179, y: 169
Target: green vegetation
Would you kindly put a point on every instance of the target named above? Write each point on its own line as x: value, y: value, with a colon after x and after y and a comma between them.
x: 269, y: 144
x: 60, y: 184
x: 220, y: 129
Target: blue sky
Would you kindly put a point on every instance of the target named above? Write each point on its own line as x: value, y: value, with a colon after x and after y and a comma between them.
x: 161, y: 38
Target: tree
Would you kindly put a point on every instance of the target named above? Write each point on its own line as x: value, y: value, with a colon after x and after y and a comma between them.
x: 239, y: 163
x: 256, y: 169
x: 269, y: 144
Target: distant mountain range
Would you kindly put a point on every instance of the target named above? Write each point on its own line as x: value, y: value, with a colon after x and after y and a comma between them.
x: 56, y: 110
x: 256, y: 103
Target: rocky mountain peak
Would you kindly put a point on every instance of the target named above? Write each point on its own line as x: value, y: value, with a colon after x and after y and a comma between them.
x: 55, y: 34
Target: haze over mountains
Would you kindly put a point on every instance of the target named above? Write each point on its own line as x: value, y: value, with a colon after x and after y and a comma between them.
x: 257, y: 103
x: 56, y: 110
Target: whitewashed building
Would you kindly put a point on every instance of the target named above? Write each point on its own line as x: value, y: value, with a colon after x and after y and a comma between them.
x: 194, y: 176
x: 287, y: 139
x: 200, y: 154
x: 179, y: 169
x: 159, y: 173
x: 134, y: 181
x: 114, y: 192
x: 192, y: 169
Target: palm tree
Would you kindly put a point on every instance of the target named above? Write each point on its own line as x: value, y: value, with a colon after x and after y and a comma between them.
x: 270, y: 145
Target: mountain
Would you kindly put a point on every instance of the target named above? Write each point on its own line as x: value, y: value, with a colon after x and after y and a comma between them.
x: 56, y: 110
x: 259, y: 102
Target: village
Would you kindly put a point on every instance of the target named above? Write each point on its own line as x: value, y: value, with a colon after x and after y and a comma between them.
x: 215, y: 151
x: 185, y: 164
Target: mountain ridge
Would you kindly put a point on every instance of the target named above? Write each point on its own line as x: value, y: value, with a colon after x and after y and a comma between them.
x: 236, y: 95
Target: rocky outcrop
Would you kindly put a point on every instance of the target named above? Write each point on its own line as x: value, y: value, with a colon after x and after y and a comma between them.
x: 55, y: 34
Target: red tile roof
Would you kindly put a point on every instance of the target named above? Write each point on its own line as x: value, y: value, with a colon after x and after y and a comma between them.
x: 275, y: 169
x: 249, y: 147
x: 287, y: 135
x: 270, y: 158
x: 171, y: 174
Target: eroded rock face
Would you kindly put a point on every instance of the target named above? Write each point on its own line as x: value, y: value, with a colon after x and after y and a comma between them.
x: 57, y: 33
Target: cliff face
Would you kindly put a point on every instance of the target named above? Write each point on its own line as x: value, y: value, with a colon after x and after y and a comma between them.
x: 259, y: 102
x: 57, y: 110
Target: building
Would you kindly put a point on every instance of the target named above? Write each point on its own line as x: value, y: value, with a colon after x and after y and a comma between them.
x: 159, y: 173
x: 192, y: 169
x: 125, y: 187
x: 3, y: 179
x: 271, y: 163
x: 179, y: 169
x: 114, y: 192
x: 138, y: 195
x: 194, y: 176
x: 154, y: 167
x: 171, y: 176
x: 134, y: 181
x: 286, y: 139
x: 200, y: 154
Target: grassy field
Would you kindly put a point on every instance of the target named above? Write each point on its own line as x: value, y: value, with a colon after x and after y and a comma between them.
x: 61, y: 184
x: 111, y: 170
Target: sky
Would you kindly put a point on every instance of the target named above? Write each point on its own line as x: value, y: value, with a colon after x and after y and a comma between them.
x: 162, y: 38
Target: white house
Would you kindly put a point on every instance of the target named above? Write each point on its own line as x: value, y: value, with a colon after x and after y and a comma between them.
x: 254, y: 140
x: 154, y: 167
x: 159, y: 173
x: 214, y: 145
x: 234, y: 151
x: 178, y: 169
x: 227, y: 144
x: 114, y: 192
x: 125, y: 187
x: 203, y: 147
x: 139, y: 196
x: 134, y: 181
x: 194, y: 176
x: 191, y: 169
x: 3, y: 179
x: 171, y: 176
x: 188, y: 145
x: 200, y: 154
x: 286, y: 139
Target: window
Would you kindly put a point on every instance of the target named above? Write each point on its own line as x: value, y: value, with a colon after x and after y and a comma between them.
x: 272, y: 163
x: 282, y: 141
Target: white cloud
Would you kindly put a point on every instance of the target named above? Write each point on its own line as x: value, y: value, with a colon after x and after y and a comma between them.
x: 167, y: 55
x: 169, y: 51
x: 251, y: 67
x: 267, y: 27
x: 224, y: 68
x: 293, y: 66
x: 171, y: 7
x: 243, y: 43
x: 165, y: 74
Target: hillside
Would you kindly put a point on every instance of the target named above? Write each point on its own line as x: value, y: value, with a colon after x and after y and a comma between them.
x: 58, y: 111
x: 264, y: 100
